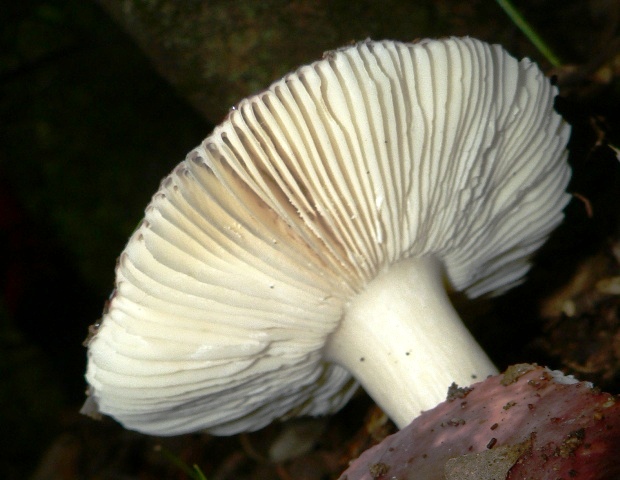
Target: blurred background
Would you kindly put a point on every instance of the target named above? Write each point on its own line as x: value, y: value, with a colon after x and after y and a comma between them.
x: 99, y: 101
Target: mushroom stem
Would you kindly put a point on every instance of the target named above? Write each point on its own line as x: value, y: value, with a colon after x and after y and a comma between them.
x: 403, y: 340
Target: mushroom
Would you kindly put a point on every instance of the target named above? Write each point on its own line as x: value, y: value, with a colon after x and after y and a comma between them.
x: 529, y: 422
x: 308, y: 243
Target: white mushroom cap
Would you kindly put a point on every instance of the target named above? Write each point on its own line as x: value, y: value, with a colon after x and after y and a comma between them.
x: 376, y: 173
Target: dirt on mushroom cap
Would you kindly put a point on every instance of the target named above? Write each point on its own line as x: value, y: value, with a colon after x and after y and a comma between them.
x: 556, y: 428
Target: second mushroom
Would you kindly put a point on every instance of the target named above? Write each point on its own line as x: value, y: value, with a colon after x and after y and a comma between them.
x: 307, y: 244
